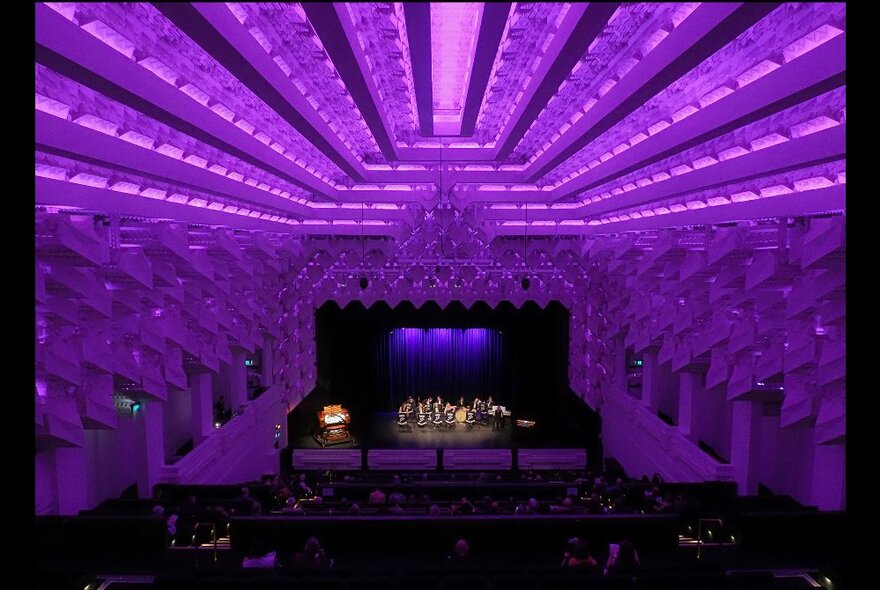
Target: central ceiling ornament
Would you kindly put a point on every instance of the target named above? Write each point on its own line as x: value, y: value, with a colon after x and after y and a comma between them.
x: 455, y: 28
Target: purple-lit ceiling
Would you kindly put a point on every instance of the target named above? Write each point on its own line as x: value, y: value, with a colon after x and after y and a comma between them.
x: 364, y: 118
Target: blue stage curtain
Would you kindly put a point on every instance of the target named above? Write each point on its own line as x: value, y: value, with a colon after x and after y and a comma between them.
x: 451, y: 362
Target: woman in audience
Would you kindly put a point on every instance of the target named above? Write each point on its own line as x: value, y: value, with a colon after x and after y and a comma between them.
x: 461, y: 554
x: 578, y: 555
x: 312, y: 557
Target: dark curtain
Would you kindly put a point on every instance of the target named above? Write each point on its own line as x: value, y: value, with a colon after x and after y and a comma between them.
x: 451, y: 362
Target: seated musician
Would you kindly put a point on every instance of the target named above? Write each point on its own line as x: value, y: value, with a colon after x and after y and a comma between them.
x: 448, y: 408
x: 461, y: 402
x: 489, y: 402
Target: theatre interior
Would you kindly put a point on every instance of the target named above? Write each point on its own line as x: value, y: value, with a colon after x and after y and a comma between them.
x: 446, y: 296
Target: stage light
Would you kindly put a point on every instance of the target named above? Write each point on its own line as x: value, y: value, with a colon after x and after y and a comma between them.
x: 135, y: 407
x: 364, y: 282
x: 216, y: 425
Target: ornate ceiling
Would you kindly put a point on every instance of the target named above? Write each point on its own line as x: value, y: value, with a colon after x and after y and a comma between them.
x: 505, y: 119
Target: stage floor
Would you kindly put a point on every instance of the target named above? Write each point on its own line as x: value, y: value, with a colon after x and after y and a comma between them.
x: 383, y: 433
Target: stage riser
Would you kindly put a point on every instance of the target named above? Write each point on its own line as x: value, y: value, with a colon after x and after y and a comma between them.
x: 339, y: 459
x: 552, y: 459
x: 500, y: 459
x: 394, y: 460
x: 451, y: 459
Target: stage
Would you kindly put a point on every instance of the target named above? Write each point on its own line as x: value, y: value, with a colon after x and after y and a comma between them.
x: 381, y: 431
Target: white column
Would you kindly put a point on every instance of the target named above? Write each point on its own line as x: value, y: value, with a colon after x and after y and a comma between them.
x: 268, y: 358
x: 238, y: 379
x: 649, y: 379
x: 745, y: 443
x: 70, y: 479
x: 829, y: 477
x: 202, y: 405
x: 150, y: 434
x: 689, y: 390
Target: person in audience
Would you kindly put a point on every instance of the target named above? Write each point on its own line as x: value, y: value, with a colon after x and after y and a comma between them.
x: 622, y: 558
x: 377, y: 496
x: 461, y: 554
x: 303, y: 487
x: 256, y: 508
x: 418, y: 498
x: 564, y: 507
x: 594, y: 504
x: 312, y: 557
x: 464, y: 506
x: 171, y: 529
x: 397, y: 498
x: 396, y: 509
x: 664, y: 504
x: 157, y: 510
x: 355, y: 509
x: 578, y: 555
x: 434, y: 510
x: 245, y: 494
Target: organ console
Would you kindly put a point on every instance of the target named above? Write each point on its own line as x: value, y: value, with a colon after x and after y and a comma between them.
x: 333, y: 422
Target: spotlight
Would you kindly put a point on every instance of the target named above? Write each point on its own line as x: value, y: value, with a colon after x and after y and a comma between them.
x: 525, y: 283
x: 135, y: 407
x: 365, y: 282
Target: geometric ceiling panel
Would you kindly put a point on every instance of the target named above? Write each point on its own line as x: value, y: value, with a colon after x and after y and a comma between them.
x: 355, y: 117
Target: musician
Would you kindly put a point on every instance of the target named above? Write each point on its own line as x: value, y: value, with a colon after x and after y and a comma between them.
x: 490, y: 403
x: 499, y: 419
x: 440, y: 401
x: 461, y: 402
x: 403, y: 409
x: 449, y: 408
x: 476, y: 404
